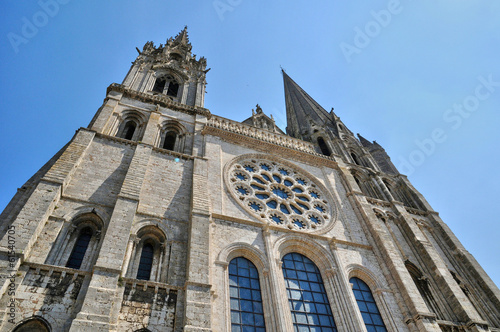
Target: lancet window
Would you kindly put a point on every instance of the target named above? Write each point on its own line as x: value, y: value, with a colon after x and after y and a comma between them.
x: 166, y: 85
x: 245, y: 296
x: 306, y: 295
x: 78, y: 243
x: 367, y: 306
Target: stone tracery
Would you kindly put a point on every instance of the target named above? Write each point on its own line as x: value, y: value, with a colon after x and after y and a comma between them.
x: 279, y: 194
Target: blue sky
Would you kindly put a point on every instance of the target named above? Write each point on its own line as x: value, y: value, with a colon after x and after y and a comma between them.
x: 422, y: 78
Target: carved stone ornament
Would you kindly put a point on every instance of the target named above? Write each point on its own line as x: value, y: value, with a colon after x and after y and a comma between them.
x: 279, y: 194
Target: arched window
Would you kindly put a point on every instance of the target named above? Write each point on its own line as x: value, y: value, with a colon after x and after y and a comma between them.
x: 168, y: 83
x: 147, y: 252
x: 169, y: 142
x: 173, y: 88
x: 82, y: 243
x: 159, y: 85
x: 460, y: 281
x: 355, y: 158
x: 424, y: 289
x: 306, y: 295
x: 324, y: 148
x: 146, y: 262
x: 367, y: 306
x: 245, y: 296
x: 129, y: 130
x: 77, y: 244
x: 33, y: 325
x: 172, y: 136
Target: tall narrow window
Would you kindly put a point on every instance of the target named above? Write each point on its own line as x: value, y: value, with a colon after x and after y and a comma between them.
x: 128, y: 130
x: 80, y: 248
x: 367, y: 306
x: 324, y: 148
x: 170, y: 138
x: 355, y: 159
x: 358, y: 182
x: 306, y: 295
x: 173, y: 88
x: 245, y: 297
x: 423, y: 287
x: 146, y: 262
x: 159, y: 85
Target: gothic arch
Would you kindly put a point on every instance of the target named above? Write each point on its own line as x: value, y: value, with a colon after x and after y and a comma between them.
x: 101, y: 213
x: 290, y: 243
x: 146, y: 252
x: 128, y: 118
x: 385, y: 215
x: 158, y: 223
x: 356, y: 157
x: 424, y: 287
x: 168, y: 81
x: 402, y: 193
x: 366, y: 184
x: 172, y: 136
x: 163, y: 70
x: 87, y: 224
x: 241, y: 249
x: 365, y: 274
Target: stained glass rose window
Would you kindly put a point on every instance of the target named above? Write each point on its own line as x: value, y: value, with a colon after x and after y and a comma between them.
x: 279, y: 194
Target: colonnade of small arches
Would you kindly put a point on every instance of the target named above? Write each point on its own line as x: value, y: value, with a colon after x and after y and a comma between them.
x: 386, y: 189
x: 305, y: 272
x: 79, y: 242
x: 171, y: 134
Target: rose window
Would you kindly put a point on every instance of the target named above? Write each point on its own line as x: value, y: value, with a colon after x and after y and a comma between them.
x: 279, y: 194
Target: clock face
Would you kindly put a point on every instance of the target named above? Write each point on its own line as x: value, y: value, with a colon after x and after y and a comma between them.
x: 279, y: 194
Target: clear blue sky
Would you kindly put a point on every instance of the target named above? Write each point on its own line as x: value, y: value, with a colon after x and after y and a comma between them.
x: 393, y: 70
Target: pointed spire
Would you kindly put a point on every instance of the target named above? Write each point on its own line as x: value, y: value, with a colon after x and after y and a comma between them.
x: 182, y: 37
x: 301, y: 109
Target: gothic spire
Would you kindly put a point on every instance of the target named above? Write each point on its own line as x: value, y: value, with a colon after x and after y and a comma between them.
x: 182, y: 38
x: 180, y: 42
x: 302, y: 112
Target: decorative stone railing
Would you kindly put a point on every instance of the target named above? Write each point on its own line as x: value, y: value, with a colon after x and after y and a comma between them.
x: 158, y: 99
x: 263, y: 135
x: 415, y: 211
x: 378, y: 202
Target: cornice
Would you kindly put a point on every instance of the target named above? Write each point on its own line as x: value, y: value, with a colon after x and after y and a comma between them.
x: 266, y: 141
x: 159, y: 100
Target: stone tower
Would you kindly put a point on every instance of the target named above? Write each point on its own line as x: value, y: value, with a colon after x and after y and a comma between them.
x: 160, y: 216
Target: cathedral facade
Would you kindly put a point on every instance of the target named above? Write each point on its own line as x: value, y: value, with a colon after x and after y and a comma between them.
x: 161, y: 216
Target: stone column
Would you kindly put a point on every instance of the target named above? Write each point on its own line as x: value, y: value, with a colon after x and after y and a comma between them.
x: 449, y: 288
x: 281, y: 313
x: 341, y: 288
x: 198, y: 307
x: 132, y: 242
x: 103, y: 120
x: 152, y: 129
x: 418, y: 317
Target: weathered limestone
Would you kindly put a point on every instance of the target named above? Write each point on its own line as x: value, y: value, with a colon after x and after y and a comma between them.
x: 122, y: 232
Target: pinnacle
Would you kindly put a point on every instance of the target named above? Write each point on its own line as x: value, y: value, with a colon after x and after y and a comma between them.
x: 182, y: 37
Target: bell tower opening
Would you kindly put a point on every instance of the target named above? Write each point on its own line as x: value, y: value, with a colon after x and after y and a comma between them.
x: 324, y: 148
